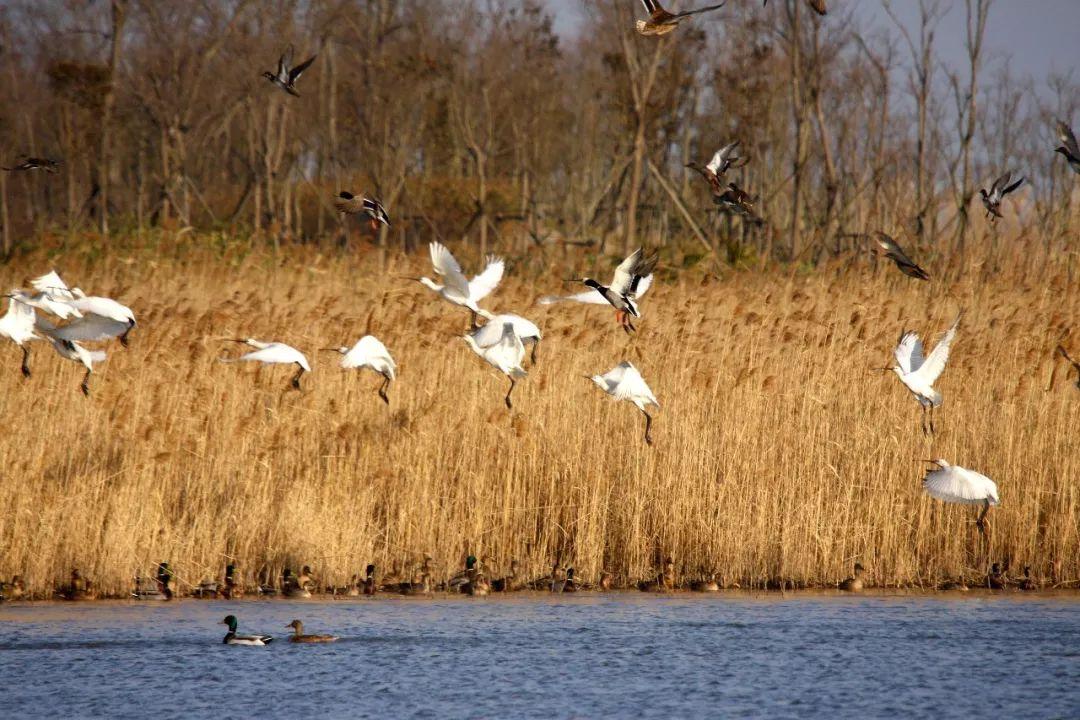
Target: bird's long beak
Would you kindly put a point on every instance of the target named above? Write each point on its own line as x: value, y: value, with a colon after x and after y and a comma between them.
x: 408, y: 277
x: 883, y: 369
x: 328, y: 350
x: 242, y: 341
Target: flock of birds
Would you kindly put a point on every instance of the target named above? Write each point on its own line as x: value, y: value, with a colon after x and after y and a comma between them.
x: 67, y: 317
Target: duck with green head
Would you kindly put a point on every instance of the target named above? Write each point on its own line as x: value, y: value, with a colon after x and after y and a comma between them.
x: 232, y: 638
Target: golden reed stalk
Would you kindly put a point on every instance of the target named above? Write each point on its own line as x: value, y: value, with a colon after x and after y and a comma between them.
x: 780, y: 455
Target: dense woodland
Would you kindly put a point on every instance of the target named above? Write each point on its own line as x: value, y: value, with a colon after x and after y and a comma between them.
x: 474, y: 122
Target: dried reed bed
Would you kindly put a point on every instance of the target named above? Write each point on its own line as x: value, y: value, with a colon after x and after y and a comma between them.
x: 780, y: 455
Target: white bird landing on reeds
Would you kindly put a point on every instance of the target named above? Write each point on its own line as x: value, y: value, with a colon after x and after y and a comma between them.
x: 492, y: 332
x: 955, y: 484
x: 456, y: 288
x: 918, y: 374
x: 624, y: 382
x: 274, y: 353
x: 632, y: 278
x: 71, y: 350
x: 17, y: 325
x: 506, y: 356
x: 103, y: 318
x: 369, y: 352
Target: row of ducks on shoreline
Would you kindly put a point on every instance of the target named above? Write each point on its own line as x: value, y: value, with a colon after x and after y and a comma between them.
x: 473, y: 580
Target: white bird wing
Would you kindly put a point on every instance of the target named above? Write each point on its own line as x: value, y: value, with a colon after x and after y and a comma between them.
x: 277, y: 353
x: 931, y: 369
x: 589, y: 297
x: 643, y: 284
x: 482, y: 285
x: 105, y: 307
x: 633, y: 387
x: 959, y: 485
x: 447, y: 266
x: 19, y: 320
x: 369, y: 350
x: 90, y: 328
x: 624, y: 273
x: 716, y: 162
x: 909, y: 352
x: 492, y: 331
x: 51, y: 284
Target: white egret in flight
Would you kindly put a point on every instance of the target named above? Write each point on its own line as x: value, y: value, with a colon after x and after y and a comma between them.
x: 955, y: 484
x: 112, y: 318
x: 456, y: 288
x: 274, y: 353
x: 632, y: 278
x: 492, y: 332
x: 370, y: 353
x: 17, y: 325
x: 918, y: 374
x: 505, y: 356
x: 624, y: 382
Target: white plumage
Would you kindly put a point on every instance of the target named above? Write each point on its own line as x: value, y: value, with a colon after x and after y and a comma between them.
x: 919, y: 374
x: 506, y: 355
x: 595, y: 297
x: 369, y: 352
x: 17, y: 325
x: 456, y: 288
x: 492, y: 332
x: 624, y: 382
x: 71, y: 350
x: 274, y: 353
x: 956, y: 484
x: 120, y: 317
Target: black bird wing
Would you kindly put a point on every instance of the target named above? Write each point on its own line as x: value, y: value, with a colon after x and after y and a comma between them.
x: 1012, y: 187
x: 687, y: 13
x: 297, y: 71
x: 643, y: 269
x: 652, y: 6
x: 998, y: 188
x: 375, y: 209
x: 818, y: 6
x: 894, y: 252
x: 1061, y: 350
x: 284, y: 63
x: 1065, y: 133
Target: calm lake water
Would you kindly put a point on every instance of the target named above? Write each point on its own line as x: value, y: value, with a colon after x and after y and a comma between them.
x: 614, y: 655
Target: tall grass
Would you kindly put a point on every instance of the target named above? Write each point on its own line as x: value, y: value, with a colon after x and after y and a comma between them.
x: 780, y: 455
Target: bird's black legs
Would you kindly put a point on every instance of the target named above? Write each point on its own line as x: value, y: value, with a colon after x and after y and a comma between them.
x: 124, y: 337
x: 648, y: 427
x: 981, y: 522
x: 473, y: 324
x: 383, y: 388
x: 296, y: 379
x: 26, y: 362
x: 85, y: 385
x: 513, y: 382
x: 532, y: 356
x: 923, y: 423
x: 932, y: 420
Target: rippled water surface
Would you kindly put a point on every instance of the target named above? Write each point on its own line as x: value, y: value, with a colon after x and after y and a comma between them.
x: 583, y: 656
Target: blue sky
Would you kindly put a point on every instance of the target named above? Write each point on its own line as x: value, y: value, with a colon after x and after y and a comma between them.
x: 1038, y: 35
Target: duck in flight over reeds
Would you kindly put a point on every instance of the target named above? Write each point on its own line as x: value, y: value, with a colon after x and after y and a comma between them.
x: 1064, y: 353
x: 817, y: 6
x: 736, y: 200
x: 992, y: 200
x: 34, y: 163
x: 350, y: 204
x: 287, y: 75
x: 722, y: 160
x: 632, y: 278
x: 918, y: 374
x: 1068, y: 147
x: 892, y: 250
x: 661, y: 22
x: 624, y: 382
x: 955, y: 484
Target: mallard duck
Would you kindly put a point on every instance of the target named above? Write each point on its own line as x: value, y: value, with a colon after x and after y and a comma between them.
x: 298, y: 635
x: 667, y: 577
x: 421, y: 587
x: 350, y: 204
x: 626, y: 285
x: 855, y: 583
x: 892, y: 250
x: 33, y: 163
x: 1027, y: 582
x: 558, y: 579
x: 287, y: 75
x: 142, y: 592
x: 509, y: 582
x: 654, y: 585
x: 369, y: 580
x: 165, y: 581
x: 998, y: 190
x: 605, y: 581
x: 705, y: 585
x: 571, y: 584
x: 1068, y: 148
x: 739, y: 202
x: 661, y: 22
x: 79, y: 589
x: 231, y: 638
x: 291, y: 586
x: 722, y: 160
x: 953, y: 585
x: 478, y: 585
x: 998, y: 577
x: 16, y: 589
x: 233, y: 589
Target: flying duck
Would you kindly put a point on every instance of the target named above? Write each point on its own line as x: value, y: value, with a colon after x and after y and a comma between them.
x: 33, y: 163
x: 992, y: 200
x: 625, y: 286
x: 287, y: 75
x: 231, y: 638
x: 736, y: 200
x: 1068, y: 147
x: 723, y: 160
x: 349, y: 204
x: 661, y: 22
x: 892, y: 250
